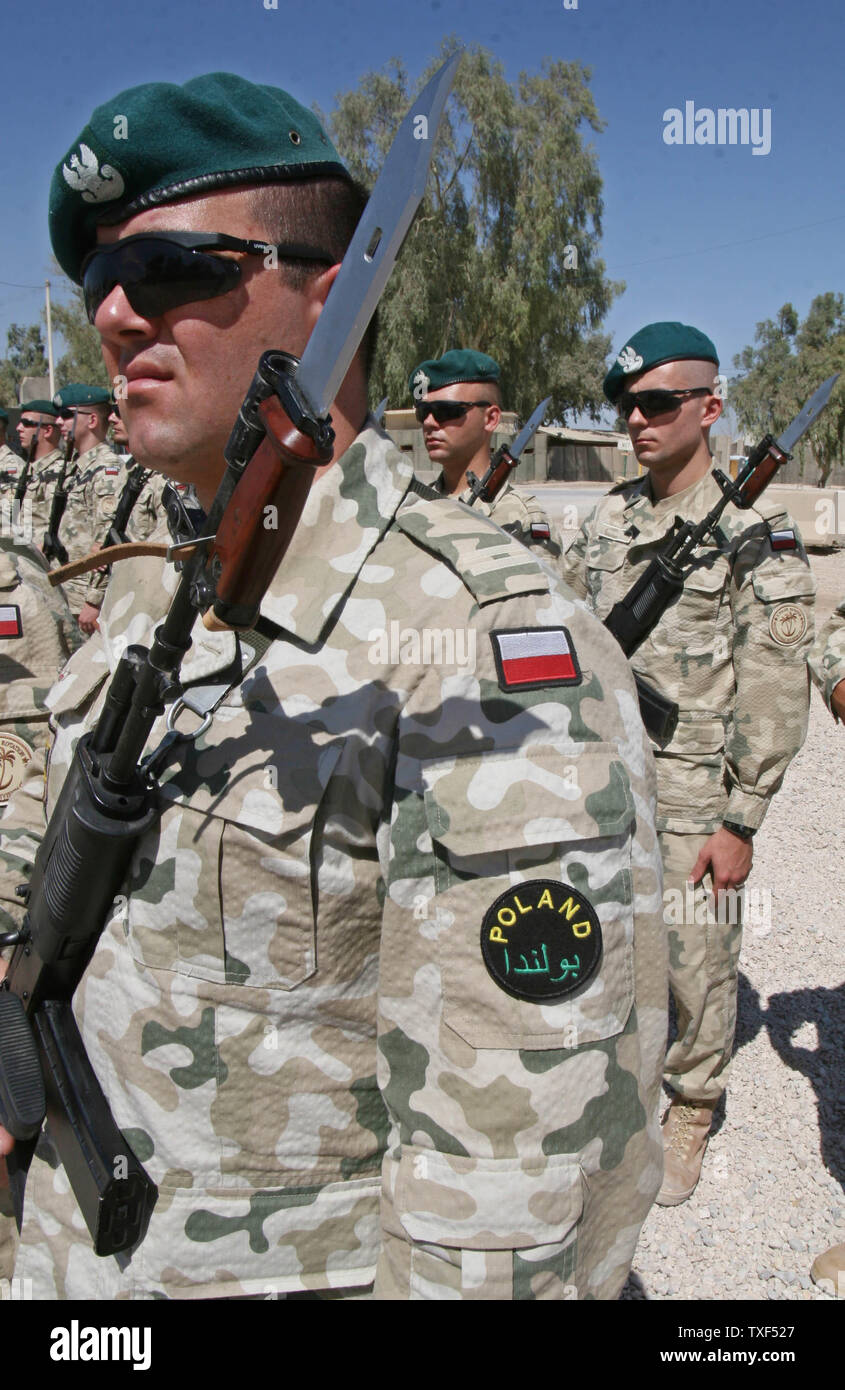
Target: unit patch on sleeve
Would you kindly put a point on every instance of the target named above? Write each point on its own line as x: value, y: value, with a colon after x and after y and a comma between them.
x: 540, y: 531
x: 788, y: 624
x: 534, y: 658
x: 10, y: 620
x: 14, y: 756
x: 541, y: 941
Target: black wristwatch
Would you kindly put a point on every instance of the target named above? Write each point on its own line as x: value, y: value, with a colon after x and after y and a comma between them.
x: 741, y: 830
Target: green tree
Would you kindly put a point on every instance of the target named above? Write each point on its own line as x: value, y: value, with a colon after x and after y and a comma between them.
x: 790, y: 361
x: 82, y: 360
x: 24, y: 357
x: 502, y: 256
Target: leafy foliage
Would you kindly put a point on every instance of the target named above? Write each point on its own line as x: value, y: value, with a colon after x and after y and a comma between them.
x: 24, y: 357
x: 789, y: 363
x: 502, y: 256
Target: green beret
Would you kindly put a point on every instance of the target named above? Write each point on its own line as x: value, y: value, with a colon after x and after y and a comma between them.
x: 4, y: 415
x: 654, y: 344
x: 76, y: 394
x: 160, y: 142
x: 39, y: 407
x: 461, y: 364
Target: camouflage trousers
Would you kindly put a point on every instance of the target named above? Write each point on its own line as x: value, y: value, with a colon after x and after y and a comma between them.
x: 704, y: 942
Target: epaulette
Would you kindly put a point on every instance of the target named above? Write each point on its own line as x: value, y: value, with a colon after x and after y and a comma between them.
x: 491, y: 564
x: 625, y: 483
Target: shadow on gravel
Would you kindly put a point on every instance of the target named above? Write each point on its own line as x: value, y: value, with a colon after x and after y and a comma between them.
x: 823, y: 1067
x: 634, y: 1290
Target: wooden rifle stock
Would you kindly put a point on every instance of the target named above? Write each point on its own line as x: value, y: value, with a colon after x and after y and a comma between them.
x: 262, y: 515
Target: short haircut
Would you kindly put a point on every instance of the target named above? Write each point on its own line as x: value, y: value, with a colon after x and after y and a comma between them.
x: 321, y: 212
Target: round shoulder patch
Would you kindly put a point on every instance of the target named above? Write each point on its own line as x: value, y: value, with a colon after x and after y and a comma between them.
x: 788, y: 624
x: 14, y: 756
x: 541, y: 941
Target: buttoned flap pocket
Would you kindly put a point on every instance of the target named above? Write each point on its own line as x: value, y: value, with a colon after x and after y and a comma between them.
x: 532, y: 857
x: 487, y: 1203
x: 775, y: 588
x: 694, y: 737
x: 224, y: 889
x: 86, y: 670
x: 602, y: 554
x: 707, y: 579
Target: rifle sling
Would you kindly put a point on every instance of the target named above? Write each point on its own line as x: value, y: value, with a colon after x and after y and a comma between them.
x: 100, y: 559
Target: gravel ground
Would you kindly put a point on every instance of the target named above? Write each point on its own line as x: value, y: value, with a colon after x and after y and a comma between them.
x: 772, y: 1191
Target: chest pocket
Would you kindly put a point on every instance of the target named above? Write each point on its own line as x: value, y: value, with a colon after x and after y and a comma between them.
x: 559, y: 814
x: 224, y: 888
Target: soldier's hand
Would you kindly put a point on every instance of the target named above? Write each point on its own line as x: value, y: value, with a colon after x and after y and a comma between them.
x: 727, y: 856
x: 7, y: 1143
x: 837, y: 699
x: 89, y: 619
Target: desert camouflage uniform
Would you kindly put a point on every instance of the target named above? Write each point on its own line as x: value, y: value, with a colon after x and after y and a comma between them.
x: 827, y: 658
x: 731, y: 651
x: 520, y: 514
x: 92, y: 498
x: 42, y: 481
x: 147, y: 515
x: 331, y: 844
x: 10, y: 466
x: 35, y: 641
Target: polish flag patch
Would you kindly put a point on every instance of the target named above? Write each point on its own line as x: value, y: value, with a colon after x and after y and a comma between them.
x: 540, y: 531
x: 10, y: 621
x: 784, y: 540
x: 533, y: 658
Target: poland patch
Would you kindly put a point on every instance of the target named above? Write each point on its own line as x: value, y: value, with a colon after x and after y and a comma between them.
x: 10, y: 621
x: 540, y: 531
x: 533, y: 658
x: 784, y: 540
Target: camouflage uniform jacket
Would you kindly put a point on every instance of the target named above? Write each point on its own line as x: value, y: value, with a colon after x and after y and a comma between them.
x: 10, y: 466
x: 520, y: 515
x: 827, y: 658
x: 92, y: 499
x: 334, y: 841
x: 731, y: 651
x: 148, y: 512
x: 36, y: 639
x: 39, y: 492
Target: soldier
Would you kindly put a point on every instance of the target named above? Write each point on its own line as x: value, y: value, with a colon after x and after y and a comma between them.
x: 39, y: 433
x: 10, y: 462
x: 36, y: 638
x: 148, y: 513
x: 459, y: 404
x: 731, y: 651
x: 439, y: 847
x: 92, y: 495
x: 827, y: 668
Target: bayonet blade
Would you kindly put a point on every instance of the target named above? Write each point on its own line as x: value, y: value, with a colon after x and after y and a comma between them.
x: 807, y: 416
x: 378, y: 413
x: 527, y: 433
x: 373, y: 249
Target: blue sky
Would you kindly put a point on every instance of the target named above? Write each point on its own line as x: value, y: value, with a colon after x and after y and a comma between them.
x: 713, y: 235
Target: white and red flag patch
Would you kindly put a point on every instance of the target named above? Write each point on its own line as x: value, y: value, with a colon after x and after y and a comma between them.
x: 529, y: 658
x: 10, y: 621
x: 784, y: 540
x: 540, y: 531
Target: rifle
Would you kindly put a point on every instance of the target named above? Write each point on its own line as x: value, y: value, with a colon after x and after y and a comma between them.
x: 108, y: 801
x: 52, y: 547
x: 505, y: 460
x: 635, y: 615
x: 132, y: 489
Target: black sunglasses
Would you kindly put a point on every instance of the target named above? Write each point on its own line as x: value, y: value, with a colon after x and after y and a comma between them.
x: 444, y: 411
x: 162, y: 270
x: 30, y: 424
x: 657, y: 402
